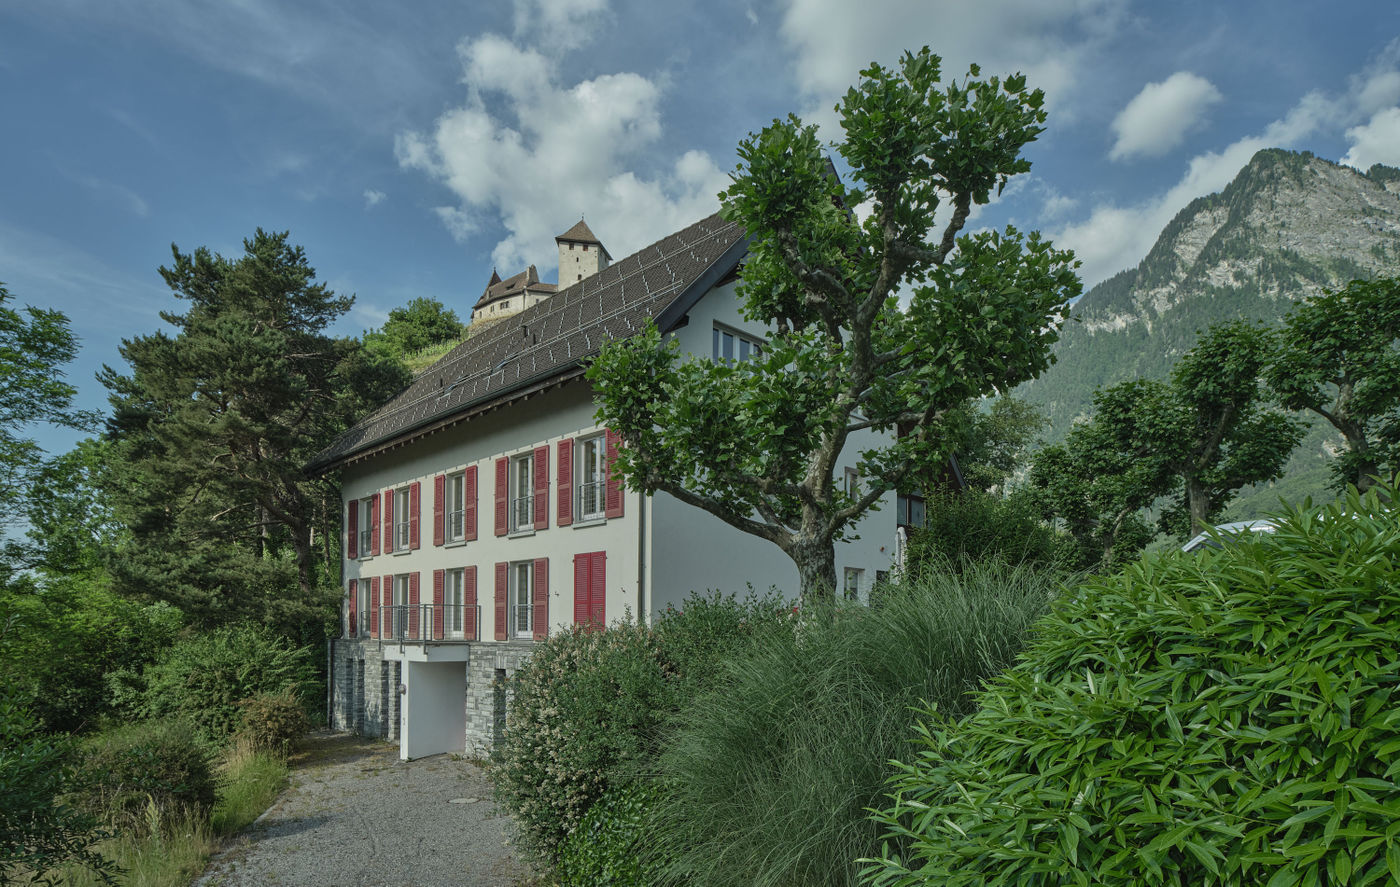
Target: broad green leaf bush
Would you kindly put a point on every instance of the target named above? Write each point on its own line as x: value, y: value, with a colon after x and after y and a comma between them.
x: 767, y: 777
x: 974, y: 526
x: 141, y: 774
x: 1229, y: 718
x: 605, y: 849
x: 590, y: 707
x: 207, y: 679
x: 274, y: 721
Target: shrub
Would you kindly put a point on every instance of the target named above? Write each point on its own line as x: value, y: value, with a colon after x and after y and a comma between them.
x: 1226, y: 718
x: 250, y: 778
x: 38, y: 831
x: 590, y: 708
x: 768, y: 775
x: 206, y: 679
x: 974, y: 526
x: 274, y: 721
x: 605, y: 850
x: 139, y: 775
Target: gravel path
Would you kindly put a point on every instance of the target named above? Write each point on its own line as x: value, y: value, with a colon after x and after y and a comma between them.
x: 357, y: 816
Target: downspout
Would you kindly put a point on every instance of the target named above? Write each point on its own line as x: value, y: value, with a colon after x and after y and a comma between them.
x: 330, y: 684
x: 643, y: 610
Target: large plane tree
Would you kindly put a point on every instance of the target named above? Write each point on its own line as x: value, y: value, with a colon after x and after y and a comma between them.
x: 756, y: 443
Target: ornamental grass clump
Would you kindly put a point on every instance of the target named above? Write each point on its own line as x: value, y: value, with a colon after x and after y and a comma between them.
x: 768, y: 776
x: 1228, y: 718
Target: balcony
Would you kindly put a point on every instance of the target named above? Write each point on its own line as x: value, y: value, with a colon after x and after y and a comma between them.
x: 424, y: 623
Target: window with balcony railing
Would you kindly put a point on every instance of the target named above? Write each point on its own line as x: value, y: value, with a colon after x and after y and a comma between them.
x: 592, y: 476
x: 401, y: 518
x: 522, y: 500
x: 522, y: 599
x: 456, y: 507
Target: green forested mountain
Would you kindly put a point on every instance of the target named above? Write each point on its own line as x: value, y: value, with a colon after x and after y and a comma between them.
x: 1288, y: 225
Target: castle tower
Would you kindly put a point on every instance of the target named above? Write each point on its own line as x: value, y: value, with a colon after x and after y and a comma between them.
x: 580, y: 255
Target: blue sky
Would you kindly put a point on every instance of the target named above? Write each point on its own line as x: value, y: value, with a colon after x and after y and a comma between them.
x: 412, y: 146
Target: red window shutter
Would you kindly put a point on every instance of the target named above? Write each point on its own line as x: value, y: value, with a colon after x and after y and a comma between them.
x: 469, y: 505
x: 597, y: 588
x: 415, y: 508
x: 541, y: 598
x: 566, y: 482
x: 469, y: 602
x: 581, y: 590
x: 439, y: 509
x: 501, y: 570
x: 542, y: 488
x: 352, y: 536
x: 374, y: 607
x: 374, y: 525
x: 502, y: 471
x: 438, y: 593
x: 612, y: 501
x: 354, y: 587
x: 390, y: 623
x: 388, y: 521
x: 413, y: 605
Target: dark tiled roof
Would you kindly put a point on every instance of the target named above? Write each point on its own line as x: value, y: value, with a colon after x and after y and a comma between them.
x: 550, y: 339
x: 581, y: 233
x: 529, y: 279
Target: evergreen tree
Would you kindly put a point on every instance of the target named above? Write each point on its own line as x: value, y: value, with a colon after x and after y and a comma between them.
x: 213, y: 424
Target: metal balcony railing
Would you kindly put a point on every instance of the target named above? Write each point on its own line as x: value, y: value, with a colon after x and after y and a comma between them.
x: 454, y: 525
x: 522, y: 513
x: 589, y: 500
x: 425, y: 622
x: 400, y: 535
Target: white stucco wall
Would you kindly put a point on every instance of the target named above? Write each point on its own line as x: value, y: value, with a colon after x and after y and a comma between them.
x: 431, y: 723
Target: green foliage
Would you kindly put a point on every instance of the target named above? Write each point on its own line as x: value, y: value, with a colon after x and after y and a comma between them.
x: 973, y: 526
x: 139, y: 775
x: 606, y: 848
x: 768, y: 776
x: 422, y: 323
x: 1338, y: 357
x: 590, y: 708
x: 63, y: 640
x: 249, y: 780
x: 1228, y: 718
x: 213, y: 426
x: 996, y: 437
x: 274, y: 721
x: 757, y: 443
x: 207, y: 680
x: 38, y: 829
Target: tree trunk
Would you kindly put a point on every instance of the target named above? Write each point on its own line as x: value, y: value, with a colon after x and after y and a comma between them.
x: 1198, y: 502
x: 816, y: 570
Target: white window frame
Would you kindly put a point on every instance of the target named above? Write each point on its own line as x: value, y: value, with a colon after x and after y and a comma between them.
x: 402, y: 500
x: 851, y: 583
x: 730, y: 346
x: 850, y: 483
x: 591, y: 492
x: 454, y: 509
x: 368, y: 506
x: 522, y: 588
x: 521, y: 507
x: 454, y: 599
x: 362, y: 606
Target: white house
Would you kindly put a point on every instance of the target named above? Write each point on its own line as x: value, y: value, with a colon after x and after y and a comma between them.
x: 480, y: 514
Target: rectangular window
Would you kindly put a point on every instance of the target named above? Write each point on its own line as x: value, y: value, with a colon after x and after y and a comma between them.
x: 522, y: 599
x: 852, y: 584
x: 850, y: 483
x: 455, y: 487
x: 362, y: 606
x: 368, y: 506
x: 454, y: 599
x: 590, y: 463
x: 401, y: 518
x: 728, y: 344
x: 522, y: 493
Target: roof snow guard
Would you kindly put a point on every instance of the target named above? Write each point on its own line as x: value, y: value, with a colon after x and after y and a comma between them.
x: 547, y: 343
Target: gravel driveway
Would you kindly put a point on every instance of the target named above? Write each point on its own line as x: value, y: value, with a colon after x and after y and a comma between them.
x: 357, y: 816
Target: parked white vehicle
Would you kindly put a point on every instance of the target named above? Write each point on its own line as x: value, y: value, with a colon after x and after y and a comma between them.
x: 1212, y: 538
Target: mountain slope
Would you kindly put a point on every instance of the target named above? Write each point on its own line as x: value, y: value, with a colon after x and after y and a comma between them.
x: 1288, y: 225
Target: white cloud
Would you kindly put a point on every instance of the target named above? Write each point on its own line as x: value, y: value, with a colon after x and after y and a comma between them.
x: 1116, y: 237
x: 113, y: 192
x: 535, y: 154
x: 373, y: 197
x: 1048, y: 40
x: 1375, y: 142
x: 558, y: 25
x: 1159, y: 117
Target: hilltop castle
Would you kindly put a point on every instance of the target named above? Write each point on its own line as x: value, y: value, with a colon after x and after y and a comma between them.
x: 581, y: 255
